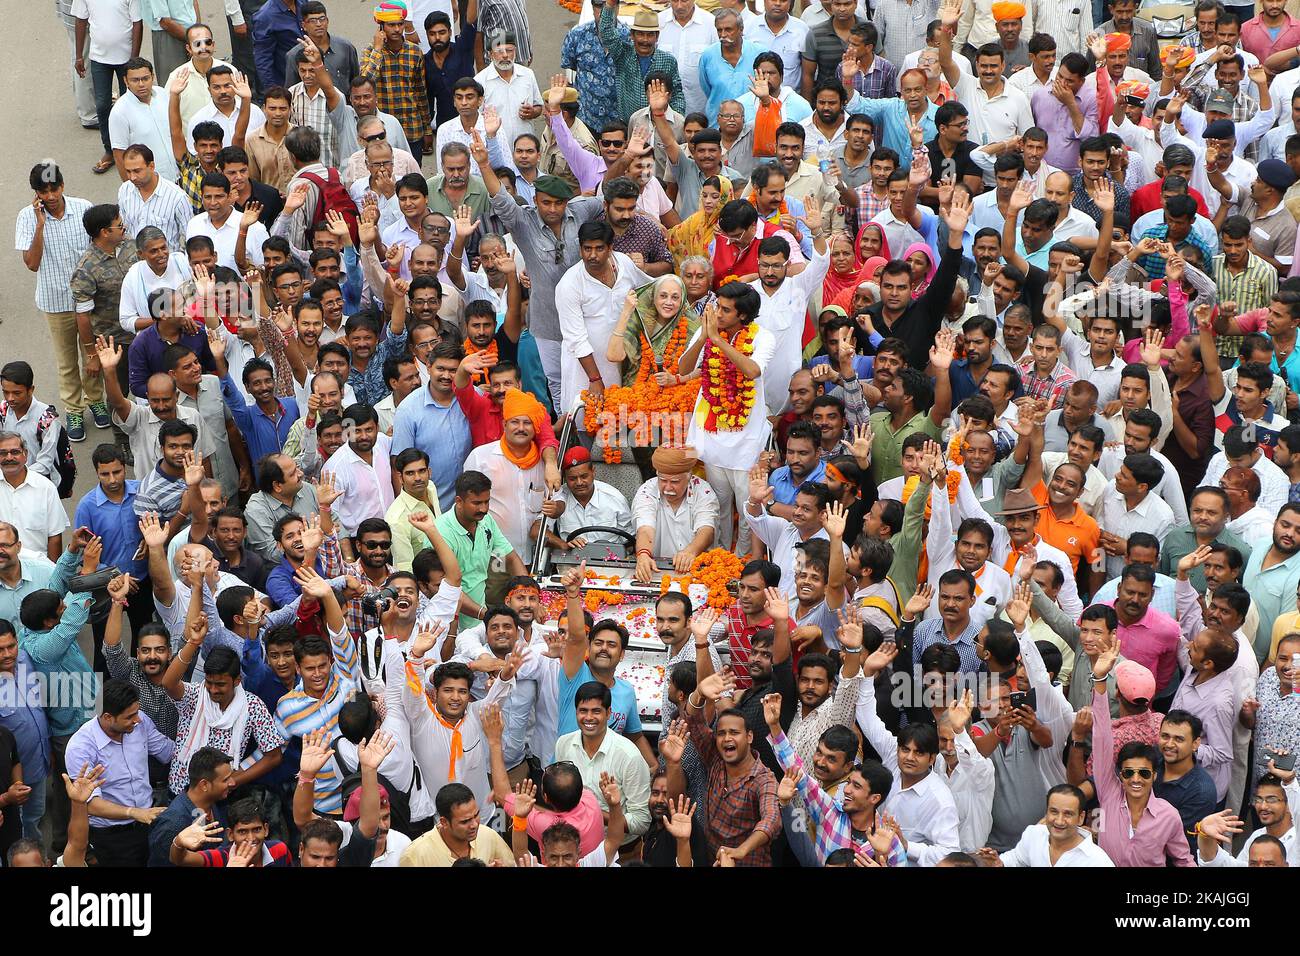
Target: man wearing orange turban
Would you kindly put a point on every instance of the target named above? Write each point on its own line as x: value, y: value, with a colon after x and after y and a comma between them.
x: 1008, y: 10
x: 514, y: 466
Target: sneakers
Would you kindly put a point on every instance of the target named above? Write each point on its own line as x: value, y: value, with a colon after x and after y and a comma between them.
x: 76, y: 427
x: 100, y: 412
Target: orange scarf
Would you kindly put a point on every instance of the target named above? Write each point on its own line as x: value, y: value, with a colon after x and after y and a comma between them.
x: 527, y: 459
x: 457, y: 743
x: 766, y: 120
x: 517, y: 404
x: 481, y: 378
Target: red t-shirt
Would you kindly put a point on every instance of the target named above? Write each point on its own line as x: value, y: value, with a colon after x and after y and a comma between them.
x: 1147, y: 199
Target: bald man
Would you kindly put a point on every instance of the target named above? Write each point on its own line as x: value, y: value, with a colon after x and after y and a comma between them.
x: 139, y: 424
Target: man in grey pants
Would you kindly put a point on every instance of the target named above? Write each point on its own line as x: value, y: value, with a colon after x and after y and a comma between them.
x: 167, y: 21
x: 239, y: 17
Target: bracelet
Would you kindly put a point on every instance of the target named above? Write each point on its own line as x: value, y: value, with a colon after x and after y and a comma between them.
x: 120, y: 603
x: 850, y: 650
x: 691, y: 703
x: 645, y: 551
x: 702, y: 646
x: 1098, y: 680
x: 520, y: 823
x: 594, y: 378
x: 304, y: 779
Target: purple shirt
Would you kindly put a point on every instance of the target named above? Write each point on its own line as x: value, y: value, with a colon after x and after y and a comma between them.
x: 587, y: 168
x: 1159, y: 833
x: 144, y: 357
x: 1215, y: 703
x: 126, y: 762
x: 1153, y: 643
x: 1062, y: 140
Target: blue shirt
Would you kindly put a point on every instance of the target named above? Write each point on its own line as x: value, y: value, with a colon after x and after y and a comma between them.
x: 281, y: 586
x: 441, y: 432
x: 118, y: 526
x: 37, y: 573
x: 262, y: 435
x: 961, y: 381
x: 369, y: 386
x: 22, y: 714
x: 276, y: 30
x: 623, y: 715
x: 438, y: 81
x: 891, y: 124
x: 180, y: 813
x: 719, y: 80
x: 785, y: 486
x: 583, y: 53
x: 57, y: 654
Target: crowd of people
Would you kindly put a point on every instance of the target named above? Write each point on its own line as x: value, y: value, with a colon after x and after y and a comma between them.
x: 965, y: 332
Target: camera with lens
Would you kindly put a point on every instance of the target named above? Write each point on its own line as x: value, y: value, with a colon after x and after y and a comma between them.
x: 378, y: 602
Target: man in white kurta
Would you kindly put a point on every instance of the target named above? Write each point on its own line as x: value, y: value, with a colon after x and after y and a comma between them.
x: 589, y: 299
x: 516, y: 469
x: 785, y: 300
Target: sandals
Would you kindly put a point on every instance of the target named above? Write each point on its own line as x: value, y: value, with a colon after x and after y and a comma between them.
x: 104, y: 165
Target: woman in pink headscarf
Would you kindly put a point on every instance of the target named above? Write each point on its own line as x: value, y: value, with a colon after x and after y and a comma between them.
x: 920, y: 259
x: 871, y: 241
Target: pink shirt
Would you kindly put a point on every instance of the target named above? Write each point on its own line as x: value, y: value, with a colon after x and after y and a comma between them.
x: 1215, y: 702
x: 586, y: 818
x: 1255, y: 37
x: 1153, y: 643
x: 1159, y: 833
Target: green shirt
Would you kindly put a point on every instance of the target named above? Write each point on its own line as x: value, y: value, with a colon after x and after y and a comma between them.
x: 887, y: 446
x: 476, y: 197
x: 1181, y: 541
x: 473, y: 554
x: 409, y: 541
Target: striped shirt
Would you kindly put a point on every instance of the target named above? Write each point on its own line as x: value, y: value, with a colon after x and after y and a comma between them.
x: 168, y: 208
x: 63, y: 243
x: 833, y: 828
x: 159, y: 492
x: 1252, y: 288
x: 506, y: 16
x: 314, y: 111
x: 298, y: 713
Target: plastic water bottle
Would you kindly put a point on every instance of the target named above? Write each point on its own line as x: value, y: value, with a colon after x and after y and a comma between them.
x: 824, y: 157
x: 1295, y: 675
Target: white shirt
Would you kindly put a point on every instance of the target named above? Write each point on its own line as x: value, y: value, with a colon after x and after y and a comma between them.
x: 736, y: 449
x: 517, y: 493
x: 132, y: 121
x: 994, y: 118
x: 925, y: 810
x: 588, y: 312
x: 971, y: 783
x: 34, y: 509
x: 686, y: 43
x: 195, y: 96
x: 167, y: 208
x: 1170, y: 488
x: 607, y: 508
x: 782, y: 314
x: 140, y: 280
x: 1075, y: 223
x: 142, y: 427
x: 1151, y: 515
x: 1274, y: 486
x: 507, y: 96
x: 780, y: 536
x: 1034, y: 850
x: 1254, y: 525
x: 431, y: 743
x: 367, y: 489
x: 210, y: 113
x: 788, y: 44
x: 674, y: 529
x: 226, y: 236
x: 1026, y: 80
x: 110, y: 29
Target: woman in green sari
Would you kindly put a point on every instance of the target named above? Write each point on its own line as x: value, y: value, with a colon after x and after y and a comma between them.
x: 656, y: 314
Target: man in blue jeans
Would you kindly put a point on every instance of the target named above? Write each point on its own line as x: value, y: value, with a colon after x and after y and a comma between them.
x: 116, y: 32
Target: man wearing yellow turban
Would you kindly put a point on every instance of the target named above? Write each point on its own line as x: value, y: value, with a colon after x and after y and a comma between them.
x: 514, y: 465
x: 675, y: 514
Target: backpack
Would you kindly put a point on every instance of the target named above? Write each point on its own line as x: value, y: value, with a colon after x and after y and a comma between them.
x: 333, y: 198
x: 63, y: 458
x: 399, y: 802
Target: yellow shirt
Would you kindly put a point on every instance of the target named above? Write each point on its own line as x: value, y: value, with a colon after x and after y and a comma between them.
x: 409, y: 541
x: 429, y: 850
x: 1284, y: 624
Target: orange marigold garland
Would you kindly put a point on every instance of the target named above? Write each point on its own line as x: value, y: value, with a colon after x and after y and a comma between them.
x: 715, y: 570
x: 728, y: 394
x: 645, y: 400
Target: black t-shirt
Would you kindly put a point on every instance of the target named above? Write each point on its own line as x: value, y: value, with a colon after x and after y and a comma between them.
x: 11, y: 830
x: 360, y: 849
x: 661, y: 846
x: 272, y: 202
x: 959, y: 164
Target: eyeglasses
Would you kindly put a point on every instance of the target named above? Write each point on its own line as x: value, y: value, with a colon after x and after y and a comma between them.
x: 376, y: 137
x: 376, y: 166
x: 438, y: 230
x: 1269, y: 801
x: 1128, y: 773
x: 315, y: 19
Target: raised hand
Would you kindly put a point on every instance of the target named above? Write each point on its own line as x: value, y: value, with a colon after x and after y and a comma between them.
x: 252, y: 212
x: 242, y: 855
x: 778, y: 605
x: 1019, y: 605
x: 1021, y: 196
x: 312, y: 535
x: 316, y: 751
x: 919, y: 602
x: 371, y: 753
x: 491, y: 121
x: 87, y: 782
x: 959, y: 711
x: 1081, y: 730
x: 863, y: 437
x: 1153, y: 341
x: 555, y: 93
x: 673, y: 746
x: 788, y: 788
x: 610, y: 791
x: 242, y: 89
x: 772, y: 711
x: 717, y: 685
x: 296, y: 199
x: 834, y: 519
x: 327, y: 490
x: 425, y: 638
x: 678, y: 824
x: 109, y: 352
x: 525, y: 797
x: 312, y: 584
x: 572, y: 579
x: 492, y: 721
x: 152, y: 531
x: 464, y: 221
x: 849, y: 632
x: 1107, y: 657
x: 879, y: 659
x: 657, y: 98
x: 199, y: 834
x: 1222, y: 826
x: 1104, y: 196
x: 1192, y: 560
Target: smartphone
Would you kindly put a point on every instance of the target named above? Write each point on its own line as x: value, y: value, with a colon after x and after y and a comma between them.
x: 1024, y: 698
x: 1281, y: 761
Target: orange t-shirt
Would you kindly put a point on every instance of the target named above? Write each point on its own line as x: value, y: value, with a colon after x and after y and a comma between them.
x: 1079, y: 536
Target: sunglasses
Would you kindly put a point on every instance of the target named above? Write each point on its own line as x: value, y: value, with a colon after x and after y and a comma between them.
x: 375, y: 137
x: 202, y: 44
x: 1128, y: 773
x: 376, y: 545
x: 611, y: 142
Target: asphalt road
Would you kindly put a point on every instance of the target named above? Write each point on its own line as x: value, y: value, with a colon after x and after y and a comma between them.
x: 38, y: 121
